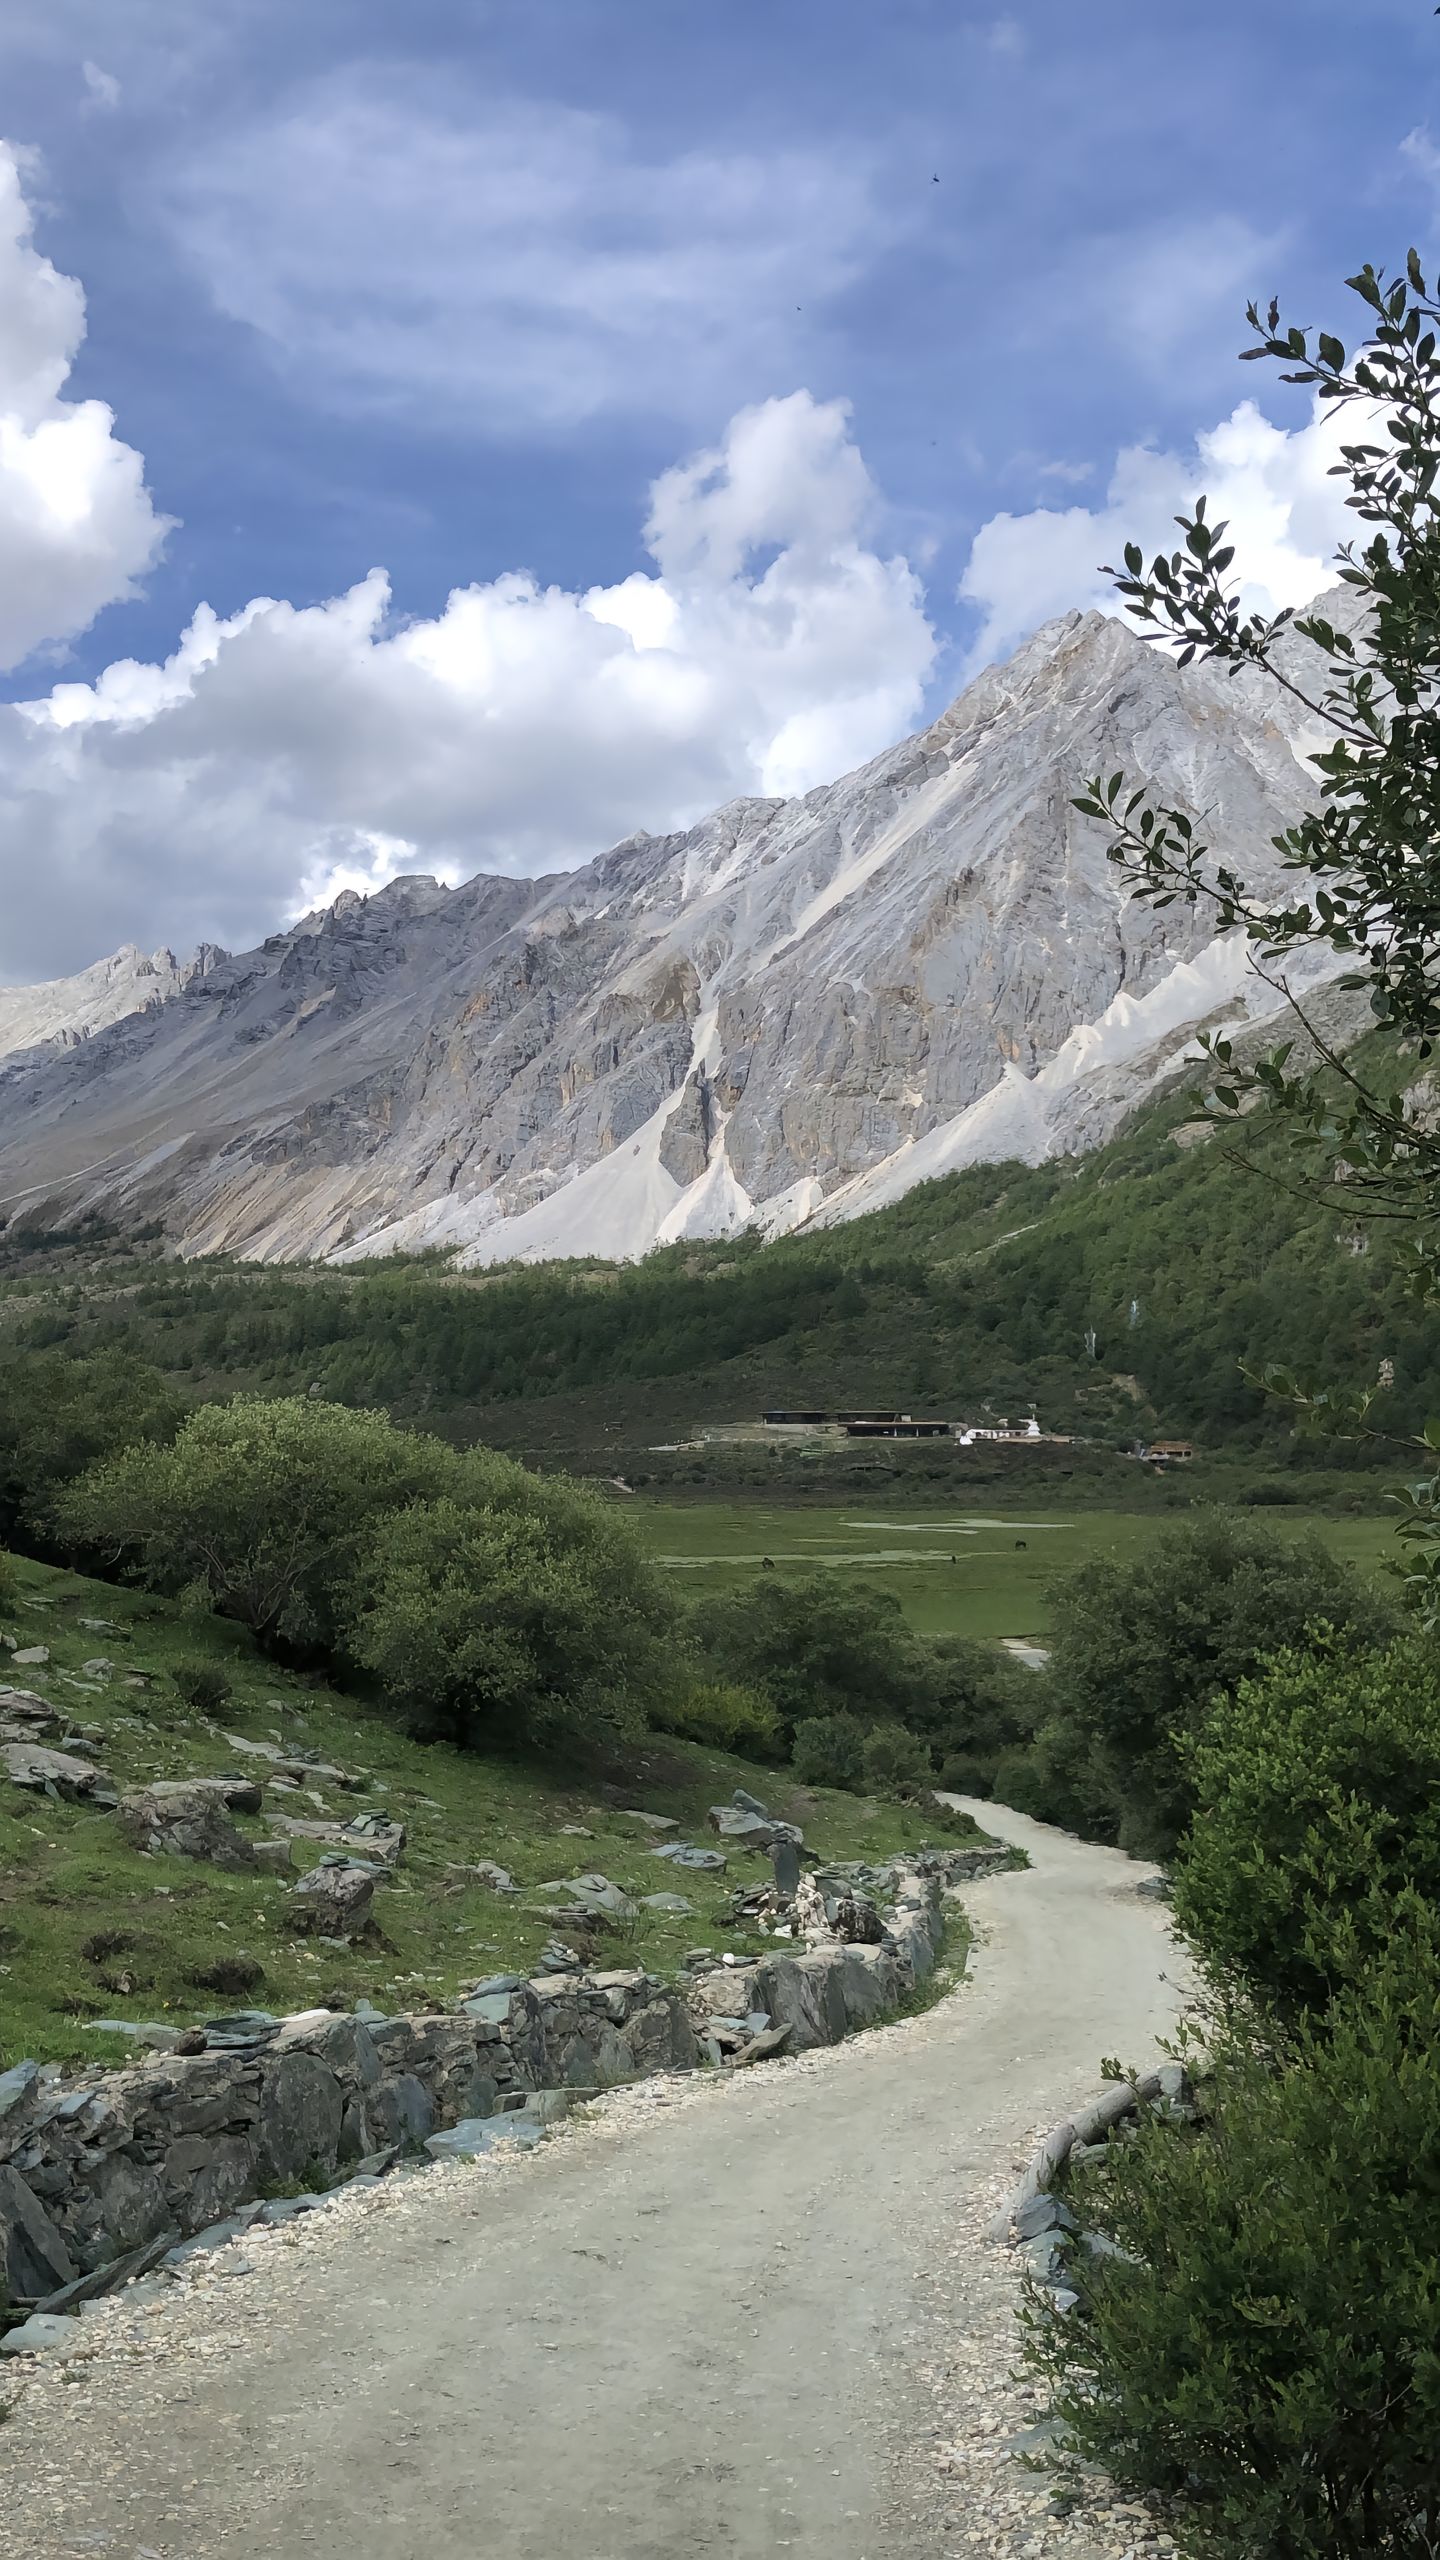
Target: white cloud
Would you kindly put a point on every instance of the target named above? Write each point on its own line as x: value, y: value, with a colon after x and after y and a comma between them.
x: 287, y: 752
x: 1287, y: 519
x: 76, y: 524
x: 102, y: 88
x: 515, y: 263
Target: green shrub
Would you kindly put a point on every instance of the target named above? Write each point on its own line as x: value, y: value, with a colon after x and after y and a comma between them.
x: 1265, y: 2348
x: 1139, y: 1650
x: 491, y: 1626
x: 895, y: 1762
x: 259, y: 1507
x: 829, y: 1751
x: 202, y: 1685
x: 815, y: 1647
x: 722, y: 1716
x: 9, y: 1586
x: 1318, y: 1788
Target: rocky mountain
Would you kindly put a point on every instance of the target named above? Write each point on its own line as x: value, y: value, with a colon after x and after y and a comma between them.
x: 68, y: 1010
x: 793, y: 1010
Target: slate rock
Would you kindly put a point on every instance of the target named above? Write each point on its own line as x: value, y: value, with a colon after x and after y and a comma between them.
x: 479, y: 2134
x: 36, y: 1653
x: 675, y: 1902
x: 681, y: 1853
x: 300, y: 2113
x: 182, y: 1819
x: 44, y: 1772
x: 43, y: 2333
x: 1043, y: 2213
x: 34, y: 2259
x: 656, y: 1822
x: 16, y: 2085
x: 333, y: 1902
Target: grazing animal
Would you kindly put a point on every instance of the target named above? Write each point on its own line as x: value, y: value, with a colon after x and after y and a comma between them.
x: 1020, y: 1542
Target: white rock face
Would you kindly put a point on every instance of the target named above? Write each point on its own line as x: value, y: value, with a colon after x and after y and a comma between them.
x: 68, y: 1010
x: 794, y: 1010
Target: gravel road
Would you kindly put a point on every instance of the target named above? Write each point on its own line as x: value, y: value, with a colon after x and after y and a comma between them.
x: 718, y: 2318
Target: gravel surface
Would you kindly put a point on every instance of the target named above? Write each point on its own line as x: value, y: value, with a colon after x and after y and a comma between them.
x: 732, y: 2316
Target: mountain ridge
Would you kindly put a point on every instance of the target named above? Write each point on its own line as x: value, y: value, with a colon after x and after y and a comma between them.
x: 791, y: 1011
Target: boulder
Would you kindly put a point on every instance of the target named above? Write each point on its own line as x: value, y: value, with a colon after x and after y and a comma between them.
x: 274, y: 1857
x: 333, y: 1902
x: 484, y: 1872
x: 206, y: 2176
x: 870, y: 1984
x: 44, y: 2333
x: 660, y: 2037
x: 674, y: 1902
x: 300, y: 2114
x: 177, y: 1818
x: 805, y: 1994
x: 237, y: 1794
x: 375, y: 1835
x: 681, y: 1853
x: 31, y: 1653
x: 43, y: 1772
x: 656, y: 1822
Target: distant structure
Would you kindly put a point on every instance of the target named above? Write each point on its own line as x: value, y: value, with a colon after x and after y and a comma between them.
x: 1014, y: 1435
x: 900, y: 1427
x: 1170, y: 1453
x: 784, y: 1421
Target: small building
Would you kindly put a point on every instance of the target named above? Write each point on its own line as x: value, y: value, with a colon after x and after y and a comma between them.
x: 901, y: 1428
x: 786, y: 1420
x: 1171, y: 1453
x: 866, y: 1414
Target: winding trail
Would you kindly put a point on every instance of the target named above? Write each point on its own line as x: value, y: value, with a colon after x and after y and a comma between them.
x: 699, y: 2330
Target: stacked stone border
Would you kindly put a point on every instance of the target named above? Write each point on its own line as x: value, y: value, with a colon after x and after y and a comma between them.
x: 104, y: 2173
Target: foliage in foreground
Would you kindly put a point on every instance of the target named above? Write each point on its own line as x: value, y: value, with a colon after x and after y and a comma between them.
x: 1266, y: 2348
x: 1318, y: 1831
x: 1141, y: 1649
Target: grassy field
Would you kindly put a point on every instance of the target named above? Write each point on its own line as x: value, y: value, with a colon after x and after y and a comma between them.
x: 90, y: 1929
x: 954, y: 1571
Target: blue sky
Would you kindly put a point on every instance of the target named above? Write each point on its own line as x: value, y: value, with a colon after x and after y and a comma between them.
x: 446, y: 290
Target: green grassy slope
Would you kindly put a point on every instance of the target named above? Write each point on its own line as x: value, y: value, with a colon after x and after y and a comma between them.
x: 90, y: 1929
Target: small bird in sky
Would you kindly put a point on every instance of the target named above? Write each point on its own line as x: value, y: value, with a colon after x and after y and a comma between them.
x: 935, y: 181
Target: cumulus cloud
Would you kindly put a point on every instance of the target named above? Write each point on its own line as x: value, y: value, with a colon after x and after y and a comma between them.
x: 1287, y: 520
x: 516, y: 263
x: 102, y: 89
x: 286, y: 752
x: 77, y: 528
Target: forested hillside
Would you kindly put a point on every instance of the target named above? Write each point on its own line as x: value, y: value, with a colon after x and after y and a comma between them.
x: 1120, y: 1294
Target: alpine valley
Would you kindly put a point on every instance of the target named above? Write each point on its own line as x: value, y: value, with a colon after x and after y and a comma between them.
x: 790, y: 1013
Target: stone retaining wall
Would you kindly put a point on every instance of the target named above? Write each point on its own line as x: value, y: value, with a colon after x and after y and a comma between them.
x: 98, y: 2165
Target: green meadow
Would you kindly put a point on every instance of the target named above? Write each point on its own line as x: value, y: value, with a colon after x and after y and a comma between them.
x: 954, y: 1570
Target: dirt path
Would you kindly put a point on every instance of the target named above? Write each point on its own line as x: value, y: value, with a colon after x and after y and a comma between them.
x: 708, y: 2326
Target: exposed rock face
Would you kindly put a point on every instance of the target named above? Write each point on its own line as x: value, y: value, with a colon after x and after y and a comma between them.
x: 794, y: 1007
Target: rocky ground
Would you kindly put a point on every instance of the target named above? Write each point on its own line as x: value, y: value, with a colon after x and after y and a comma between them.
x: 734, y: 2317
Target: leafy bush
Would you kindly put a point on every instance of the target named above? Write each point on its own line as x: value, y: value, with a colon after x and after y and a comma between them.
x: 1264, y: 2351
x: 9, y: 1585
x: 1318, y: 1789
x: 815, y: 1647
x: 202, y: 1685
x: 259, y: 1507
x: 494, y: 1626
x: 829, y: 1751
x: 895, y: 1762
x: 1139, y: 1650
x: 722, y: 1716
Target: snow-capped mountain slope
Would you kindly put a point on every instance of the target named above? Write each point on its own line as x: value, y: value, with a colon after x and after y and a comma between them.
x: 796, y: 1008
